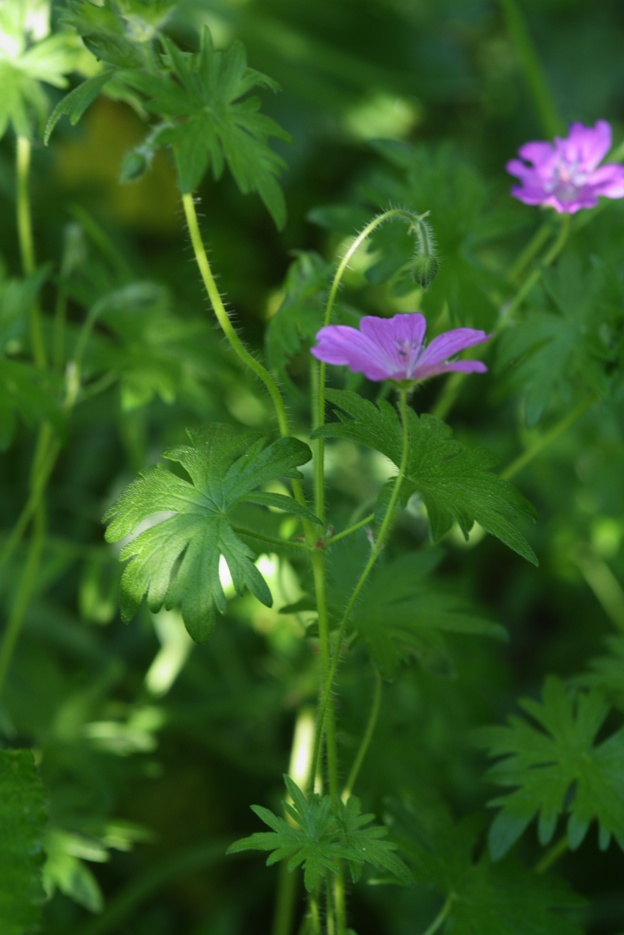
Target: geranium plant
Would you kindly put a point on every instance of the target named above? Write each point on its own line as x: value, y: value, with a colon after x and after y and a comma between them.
x: 323, y: 498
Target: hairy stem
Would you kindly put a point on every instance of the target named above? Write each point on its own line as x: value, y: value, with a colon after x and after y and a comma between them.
x: 375, y: 552
x: 222, y: 316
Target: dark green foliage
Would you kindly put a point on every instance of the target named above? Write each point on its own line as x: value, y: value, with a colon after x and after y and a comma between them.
x: 221, y: 125
x: 404, y: 613
x: 561, y: 350
x: 487, y: 898
x: 23, y: 819
x: 176, y: 560
x: 322, y: 834
x: 558, y: 768
x: 455, y: 483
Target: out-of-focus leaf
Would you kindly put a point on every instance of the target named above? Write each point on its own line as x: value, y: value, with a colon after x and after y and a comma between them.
x: 23, y: 819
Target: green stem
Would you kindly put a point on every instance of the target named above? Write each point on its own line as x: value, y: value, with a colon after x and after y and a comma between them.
x: 26, y: 244
x: 544, y: 440
x: 347, y: 532
x: 415, y: 222
x: 222, y: 316
x: 273, y: 540
x: 318, y: 569
x: 552, y: 855
x: 286, y: 897
x: 537, y: 272
x: 530, y: 65
x: 375, y: 552
x: 366, y: 739
x: 440, y: 918
x: 535, y: 244
x: 25, y: 588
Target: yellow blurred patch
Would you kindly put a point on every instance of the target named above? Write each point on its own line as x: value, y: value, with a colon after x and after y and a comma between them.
x: 93, y: 161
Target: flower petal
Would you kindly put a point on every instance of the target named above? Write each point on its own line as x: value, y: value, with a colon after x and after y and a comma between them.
x: 343, y: 345
x: 589, y: 145
x: 451, y: 343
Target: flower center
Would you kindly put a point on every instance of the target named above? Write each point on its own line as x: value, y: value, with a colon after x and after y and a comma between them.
x: 566, y: 180
x: 409, y: 352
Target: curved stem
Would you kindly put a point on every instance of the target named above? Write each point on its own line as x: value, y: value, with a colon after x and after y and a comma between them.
x: 441, y: 916
x: 537, y: 447
x: 319, y: 369
x: 366, y: 739
x: 375, y: 552
x: 222, y: 316
x: 535, y: 244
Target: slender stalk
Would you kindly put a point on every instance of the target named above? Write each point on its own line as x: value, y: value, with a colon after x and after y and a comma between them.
x: 535, y: 244
x: 222, y: 316
x: 538, y: 271
x: 531, y: 68
x: 552, y: 855
x: 351, y: 529
x: 285, y: 903
x: 366, y: 739
x: 375, y: 552
x: 544, y: 440
x: 26, y: 244
x: 440, y: 918
x: 25, y: 588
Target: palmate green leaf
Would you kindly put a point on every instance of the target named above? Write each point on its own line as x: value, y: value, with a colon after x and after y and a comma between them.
x: 402, y: 614
x: 562, y: 350
x: 211, y: 122
x: 456, y: 483
x: 322, y: 834
x: 557, y: 768
x: 23, y: 820
x: 175, y: 562
x: 502, y: 898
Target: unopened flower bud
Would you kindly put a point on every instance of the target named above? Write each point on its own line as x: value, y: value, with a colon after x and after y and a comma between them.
x: 134, y: 165
x: 425, y: 269
x: 425, y: 265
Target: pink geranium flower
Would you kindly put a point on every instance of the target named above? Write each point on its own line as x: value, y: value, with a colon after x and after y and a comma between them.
x: 393, y: 348
x: 565, y: 174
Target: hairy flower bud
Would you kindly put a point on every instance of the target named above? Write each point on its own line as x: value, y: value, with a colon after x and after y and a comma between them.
x: 425, y: 264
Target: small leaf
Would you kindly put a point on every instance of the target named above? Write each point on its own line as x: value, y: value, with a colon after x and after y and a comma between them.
x: 323, y: 833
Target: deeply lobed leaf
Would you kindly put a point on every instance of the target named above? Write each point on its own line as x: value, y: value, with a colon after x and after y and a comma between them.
x: 456, y: 484
x: 175, y: 561
x: 557, y: 768
x: 323, y: 834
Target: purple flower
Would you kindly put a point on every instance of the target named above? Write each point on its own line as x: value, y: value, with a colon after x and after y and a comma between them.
x: 564, y: 174
x: 392, y: 348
